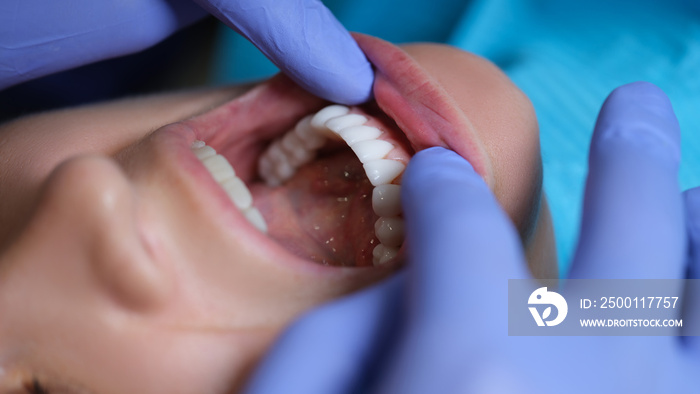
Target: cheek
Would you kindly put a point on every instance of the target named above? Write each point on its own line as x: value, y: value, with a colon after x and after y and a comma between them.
x: 510, y: 134
x: 505, y: 122
x: 518, y: 186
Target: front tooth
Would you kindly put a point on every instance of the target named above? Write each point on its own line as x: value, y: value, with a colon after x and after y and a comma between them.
x: 341, y: 122
x: 389, y: 231
x: 383, y: 254
x: 256, y: 218
x: 203, y: 152
x: 219, y: 167
x: 238, y: 192
x: 386, y: 200
x: 319, y: 120
x: 371, y: 150
x: 383, y: 171
x: 355, y: 134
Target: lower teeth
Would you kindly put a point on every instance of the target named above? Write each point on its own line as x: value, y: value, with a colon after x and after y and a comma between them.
x: 225, y: 175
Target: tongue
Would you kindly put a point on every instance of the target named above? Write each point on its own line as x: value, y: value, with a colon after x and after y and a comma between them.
x: 324, y: 212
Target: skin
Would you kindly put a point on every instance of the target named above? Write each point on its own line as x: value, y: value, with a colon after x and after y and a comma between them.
x: 510, y: 137
x: 117, y: 275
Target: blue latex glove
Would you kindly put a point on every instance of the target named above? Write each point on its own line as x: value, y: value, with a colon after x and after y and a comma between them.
x: 301, y: 37
x: 441, y: 325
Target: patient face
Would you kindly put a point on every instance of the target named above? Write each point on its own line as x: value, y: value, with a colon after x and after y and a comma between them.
x: 125, y: 268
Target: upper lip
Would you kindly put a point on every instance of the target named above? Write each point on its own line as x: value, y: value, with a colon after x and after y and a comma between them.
x: 418, y: 104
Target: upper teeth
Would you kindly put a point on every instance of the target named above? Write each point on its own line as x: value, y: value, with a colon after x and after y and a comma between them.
x: 354, y: 134
x: 386, y: 200
x: 318, y: 121
x: 299, y: 145
x: 225, y: 175
x: 344, y: 121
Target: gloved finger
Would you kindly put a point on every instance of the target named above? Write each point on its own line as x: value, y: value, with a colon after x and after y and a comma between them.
x: 305, y: 40
x: 330, y: 349
x: 691, y: 302
x: 459, y: 239
x: 39, y: 38
x: 462, y: 249
x: 632, y: 223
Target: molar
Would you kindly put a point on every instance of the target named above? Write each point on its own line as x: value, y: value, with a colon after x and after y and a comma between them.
x: 284, y: 169
x: 267, y: 172
x: 389, y: 231
x: 285, y: 155
x: 386, y: 200
x: 275, y: 165
x: 295, y: 149
x: 382, y: 254
x: 308, y: 135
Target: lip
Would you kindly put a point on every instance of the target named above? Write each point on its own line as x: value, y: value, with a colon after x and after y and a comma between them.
x: 420, y: 106
x: 239, y: 129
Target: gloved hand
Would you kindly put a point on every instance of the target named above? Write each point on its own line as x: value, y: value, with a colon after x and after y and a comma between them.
x: 441, y: 325
x: 301, y: 37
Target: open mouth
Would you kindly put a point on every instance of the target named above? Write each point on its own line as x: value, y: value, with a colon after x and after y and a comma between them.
x: 324, y: 180
x: 324, y: 202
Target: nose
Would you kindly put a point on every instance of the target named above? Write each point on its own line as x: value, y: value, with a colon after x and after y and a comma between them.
x: 91, y: 198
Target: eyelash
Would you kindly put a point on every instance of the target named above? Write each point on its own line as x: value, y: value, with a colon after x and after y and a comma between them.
x: 34, y: 387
